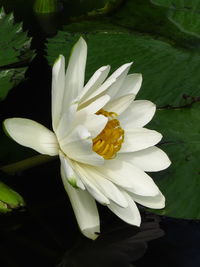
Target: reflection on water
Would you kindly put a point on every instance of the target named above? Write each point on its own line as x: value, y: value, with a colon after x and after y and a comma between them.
x: 120, y: 246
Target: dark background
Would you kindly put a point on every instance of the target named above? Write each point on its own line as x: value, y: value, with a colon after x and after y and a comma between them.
x: 46, y: 230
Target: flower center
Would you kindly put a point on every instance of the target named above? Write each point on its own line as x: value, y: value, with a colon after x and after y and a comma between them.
x: 110, y: 140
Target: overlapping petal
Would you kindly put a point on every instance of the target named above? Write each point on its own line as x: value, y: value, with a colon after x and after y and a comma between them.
x: 57, y: 91
x: 151, y: 159
x: 96, y: 105
x: 130, y: 214
x: 138, y: 139
x: 137, y: 115
x: 92, y: 122
x: 94, y: 83
x: 111, y: 85
x: 70, y: 175
x: 129, y: 177
x: 120, y: 75
x: 153, y: 202
x: 90, y: 185
x: 120, y: 104
x: 130, y: 85
x: 77, y: 145
x: 66, y: 121
x: 106, y: 187
x: 84, y: 207
x: 75, y: 74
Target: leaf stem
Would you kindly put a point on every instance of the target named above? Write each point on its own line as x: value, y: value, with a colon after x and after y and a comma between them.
x: 26, y: 164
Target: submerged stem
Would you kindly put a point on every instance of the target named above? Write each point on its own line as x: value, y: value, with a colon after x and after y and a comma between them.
x: 26, y: 164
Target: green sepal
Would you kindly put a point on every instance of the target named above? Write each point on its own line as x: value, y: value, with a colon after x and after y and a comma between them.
x: 9, y: 199
x: 72, y: 182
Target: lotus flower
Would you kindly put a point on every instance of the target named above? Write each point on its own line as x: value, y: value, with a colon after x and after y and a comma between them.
x: 99, y: 135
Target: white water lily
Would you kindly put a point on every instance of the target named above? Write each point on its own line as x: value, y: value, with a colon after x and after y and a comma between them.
x: 99, y: 135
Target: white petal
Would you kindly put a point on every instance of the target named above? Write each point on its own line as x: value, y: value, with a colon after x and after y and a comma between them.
x: 154, y: 202
x: 90, y: 185
x: 112, y: 84
x: 138, y: 139
x: 129, y: 177
x: 96, y: 105
x: 120, y: 104
x: 98, y: 92
x: 58, y: 86
x: 120, y: 75
x: 69, y: 173
x: 104, y: 185
x: 138, y: 114
x: 94, y: 123
x: 151, y: 159
x: 85, y: 209
x: 66, y: 121
x: 78, y: 146
x: 95, y: 81
x: 130, y: 85
x: 75, y: 74
x: 87, y: 117
x: 130, y: 214
x: 32, y: 134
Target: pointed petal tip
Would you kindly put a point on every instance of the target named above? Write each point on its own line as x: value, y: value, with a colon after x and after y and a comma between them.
x: 129, y: 63
x: 81, y: 41
x: 136, y: 220
x: 103, y: 68
x: 58, y: 64
x: 161, y: 201
x: 167, y: 163
x: 59, y: 59
x: 91, y: 233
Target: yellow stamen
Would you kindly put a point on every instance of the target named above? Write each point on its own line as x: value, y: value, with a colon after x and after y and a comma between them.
x: 110, y: 140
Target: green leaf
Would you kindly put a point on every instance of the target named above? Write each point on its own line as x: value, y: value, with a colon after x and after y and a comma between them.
x: 9, y: 199
x: 174, y: 20
x: 8, y: 79
x: 96, y: 26
x: 184, y: 14
x: 15, y: 53
x: 180, y: 183
x: 169, y: 73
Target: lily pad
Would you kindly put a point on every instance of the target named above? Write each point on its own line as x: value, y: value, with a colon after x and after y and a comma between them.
x: 176, y: 20
x: 184, y: 14
x: 15, y: 53
x: 180, y: 183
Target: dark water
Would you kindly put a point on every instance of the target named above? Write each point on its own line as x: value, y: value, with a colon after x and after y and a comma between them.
x: 46, y: 233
